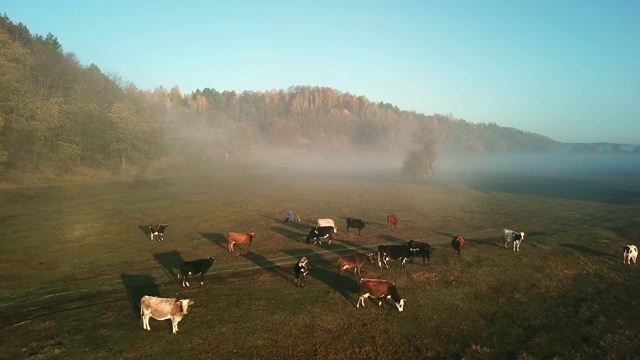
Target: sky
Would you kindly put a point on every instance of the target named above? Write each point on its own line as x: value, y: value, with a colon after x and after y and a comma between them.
x: 566, y: 69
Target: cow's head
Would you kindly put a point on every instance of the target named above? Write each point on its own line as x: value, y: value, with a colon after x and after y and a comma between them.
x: 251, y: 236
x: 162, y: 227
x: 400, y: 305
x: 184, y: 304
x: 370, y: 257
x: 211, y: 260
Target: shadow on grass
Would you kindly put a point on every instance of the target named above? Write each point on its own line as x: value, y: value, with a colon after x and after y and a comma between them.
x: 270, y: 266
x: 138, y: 286
x: 169, y: 261
x: 392, y: 239
x: 326, y: 272
x: 289, y: 233
x: 145, y: 230
x: 588, y: 250
x: 216, y: 238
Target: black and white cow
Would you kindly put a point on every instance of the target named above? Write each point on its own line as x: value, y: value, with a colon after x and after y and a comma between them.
x: 393, y: 252
x: 320, y: 232
x: 515, y: 236
x: 158, y: 230
x: 355, y: 224
x: 420, y: 249
x: 300, y: 270
x: 630, y: 254
x: 194, y: 268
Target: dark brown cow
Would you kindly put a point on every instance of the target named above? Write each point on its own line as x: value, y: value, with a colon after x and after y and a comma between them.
x: 379, y: 289
x: 240, y: 239
x: 392, y: 221
x: 353, y: 261
x: 356, y: 224
x: 457, y: 243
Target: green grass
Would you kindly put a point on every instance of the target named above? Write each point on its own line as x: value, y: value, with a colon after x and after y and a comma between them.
x: 75, y: 260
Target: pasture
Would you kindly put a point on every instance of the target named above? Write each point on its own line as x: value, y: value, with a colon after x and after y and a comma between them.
x: 75, y: 260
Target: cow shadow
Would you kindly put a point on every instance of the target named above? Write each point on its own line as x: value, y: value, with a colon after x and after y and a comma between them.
x: 588, y: 250
x: 268, y: 265
x: 447, y: 234
x: 326, y: 272
x: 169, y: 261
x: 144, y: 229
x: 392, y: 239
x: 137, y: 286
x: 216, y: 238
x: 288, y: 233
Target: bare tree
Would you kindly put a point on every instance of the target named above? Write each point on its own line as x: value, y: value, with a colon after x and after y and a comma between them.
x: 422, y: 156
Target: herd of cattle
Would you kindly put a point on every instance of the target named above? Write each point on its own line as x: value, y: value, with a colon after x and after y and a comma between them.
x: 380, y: 289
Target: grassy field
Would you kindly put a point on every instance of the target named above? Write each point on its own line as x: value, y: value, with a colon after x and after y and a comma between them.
x: 76, y: 258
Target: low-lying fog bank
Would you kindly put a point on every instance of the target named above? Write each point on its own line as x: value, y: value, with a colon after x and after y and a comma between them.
x: 538, y: 164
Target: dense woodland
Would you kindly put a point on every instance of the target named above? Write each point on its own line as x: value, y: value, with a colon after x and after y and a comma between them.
x: 57, y: 115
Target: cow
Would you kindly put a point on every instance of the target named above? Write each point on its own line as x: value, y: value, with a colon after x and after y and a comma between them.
x: 327, y: 222
x: 240, y: 239
x: 457, y: 243
x: 354, y: 261
x: 158, y: 230
x: 379, y: 289
x: 393, y: 252
x: 194, y: 268
x: 630, y: 254
x: 420, y: 249
x: 318, y: 233
x: 163, y: 309
x: 515, y: 236
x: 301, y: 269
x: 355, y: 224
x: 392, y: 221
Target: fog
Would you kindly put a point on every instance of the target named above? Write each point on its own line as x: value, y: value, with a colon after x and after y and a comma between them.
x: 555, y: 164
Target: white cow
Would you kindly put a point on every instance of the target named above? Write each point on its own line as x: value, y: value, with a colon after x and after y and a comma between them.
x: 328, y: 222
x: 163, y: 309
x: 515, y: 236
x: 630, y: 254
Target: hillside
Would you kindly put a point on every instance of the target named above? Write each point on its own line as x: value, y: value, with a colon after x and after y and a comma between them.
x: 58, y: 116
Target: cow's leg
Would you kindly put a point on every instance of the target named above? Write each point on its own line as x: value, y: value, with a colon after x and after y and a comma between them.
x: 151, y: 235
x: 403, y: 260
x: 201, y: 280
x: 361, y: 300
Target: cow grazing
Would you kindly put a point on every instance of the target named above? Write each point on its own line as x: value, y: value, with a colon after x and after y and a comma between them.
x: 630, y: 254
x: 354, y: 261
x: 301, y: 269
x: 327, y: 222
x: 420, y: 249
x: 240, y: 239
x: 194, y: 268
x: 457, y: 243
x: 163, y: 309
x: 318, y: 233
x: 392, y: 221
x: 393, y: 252
x: 355, y: 224
x: 515, y: 236
x: 158, y: 230
x: 379, y: 289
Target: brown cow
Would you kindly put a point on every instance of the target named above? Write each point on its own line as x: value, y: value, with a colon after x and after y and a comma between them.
x: 240, y: 239
x: 353, y: 261
x: 379, y: 289
x: 392, y: 221
x: 163, y: 309
x: 457, y: 243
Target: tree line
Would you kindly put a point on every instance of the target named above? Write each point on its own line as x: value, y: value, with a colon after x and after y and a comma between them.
x: 57, y: 115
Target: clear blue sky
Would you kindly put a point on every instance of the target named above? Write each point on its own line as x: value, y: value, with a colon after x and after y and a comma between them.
x: 567, y: 69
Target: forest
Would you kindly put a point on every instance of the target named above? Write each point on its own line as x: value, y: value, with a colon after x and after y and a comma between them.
x: 58, y: 115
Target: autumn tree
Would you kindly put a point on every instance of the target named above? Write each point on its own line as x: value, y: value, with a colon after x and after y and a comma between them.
x: 422, y: 156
